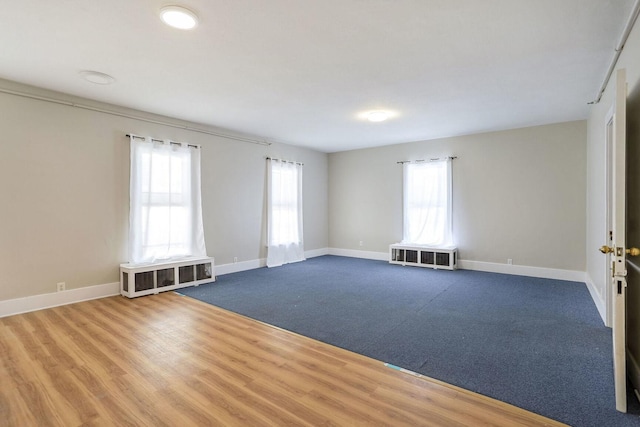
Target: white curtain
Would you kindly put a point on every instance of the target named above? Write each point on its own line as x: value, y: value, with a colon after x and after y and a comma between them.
x: 427, y: 203
x: 165, y: 220
x: 284, y: 213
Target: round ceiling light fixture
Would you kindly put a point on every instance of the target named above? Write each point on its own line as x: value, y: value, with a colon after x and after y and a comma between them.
x: 97, y: 77
x: 378, y: 116
x: 178, y: 17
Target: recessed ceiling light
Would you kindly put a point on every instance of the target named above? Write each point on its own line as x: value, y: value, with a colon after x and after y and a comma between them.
x: 378, y: 116
x: 97, y: 77
x: 178, y: 17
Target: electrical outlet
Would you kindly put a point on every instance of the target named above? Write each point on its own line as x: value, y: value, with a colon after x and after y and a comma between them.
x: 361, y: 243
x: 61, y: 286
x: 235, y: 259
x: 509, y: 261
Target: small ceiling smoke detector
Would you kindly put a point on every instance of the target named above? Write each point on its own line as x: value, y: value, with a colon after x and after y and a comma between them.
x: 178, y: 17
x: 378, y: 116
x: 97, y: 77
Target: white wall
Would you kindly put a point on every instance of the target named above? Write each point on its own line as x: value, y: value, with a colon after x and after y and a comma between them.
x: 64, y: 176
x: 518, y: 194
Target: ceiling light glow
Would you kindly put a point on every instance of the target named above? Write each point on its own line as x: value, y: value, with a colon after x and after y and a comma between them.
x: 178, y: 17
x: 378, y: 116
x: 97, y: 77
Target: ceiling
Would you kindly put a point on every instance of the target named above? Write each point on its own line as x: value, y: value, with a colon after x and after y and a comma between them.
x: 303, y: 71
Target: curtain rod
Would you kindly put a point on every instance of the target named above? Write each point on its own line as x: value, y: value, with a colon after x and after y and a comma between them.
x: 618, y: 50
x: 286, y: 161
x: 130, y: 116
x: 423, y: 160
x: 130, y: 135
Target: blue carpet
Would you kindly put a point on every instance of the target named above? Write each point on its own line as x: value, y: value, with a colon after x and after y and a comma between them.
x: 538, y: 344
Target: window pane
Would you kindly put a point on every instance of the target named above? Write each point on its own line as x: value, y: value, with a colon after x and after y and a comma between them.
x: 426, y: 203
x: 284, y: 205
x: 163, y: 223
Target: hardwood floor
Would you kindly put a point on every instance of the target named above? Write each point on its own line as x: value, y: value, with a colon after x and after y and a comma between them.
x: 167, y: 360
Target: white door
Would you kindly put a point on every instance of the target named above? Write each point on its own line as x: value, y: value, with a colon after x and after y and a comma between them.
x: 616, y: 247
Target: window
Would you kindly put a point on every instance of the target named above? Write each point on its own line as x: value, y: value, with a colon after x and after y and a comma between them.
x: 165, y: 205
x: 427, y: 203
x: 284, y: 214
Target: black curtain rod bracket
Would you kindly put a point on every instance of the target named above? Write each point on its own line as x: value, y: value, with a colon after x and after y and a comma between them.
x: 160, y: 140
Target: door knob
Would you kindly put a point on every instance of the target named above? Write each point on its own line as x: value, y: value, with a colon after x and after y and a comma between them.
x: 608, y: 250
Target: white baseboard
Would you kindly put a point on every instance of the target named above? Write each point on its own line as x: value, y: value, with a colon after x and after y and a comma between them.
x: 598, y: 299
x: 316, y: 252
x: 352, y: 253
x: 236, y: 267
x: 518, y: 270
x: 39, y: 302
x: 523, y: 270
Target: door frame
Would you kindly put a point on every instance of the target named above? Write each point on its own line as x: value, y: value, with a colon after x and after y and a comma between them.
x: 609, y: 134
x: 615, y: 234
x: 618, y: 281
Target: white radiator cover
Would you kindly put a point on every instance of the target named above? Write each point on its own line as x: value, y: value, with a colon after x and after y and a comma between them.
x: 146, y: 279
x: 423, y: 256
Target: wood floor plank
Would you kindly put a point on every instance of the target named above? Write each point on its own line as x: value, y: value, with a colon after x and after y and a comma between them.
x: 165, y: 360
